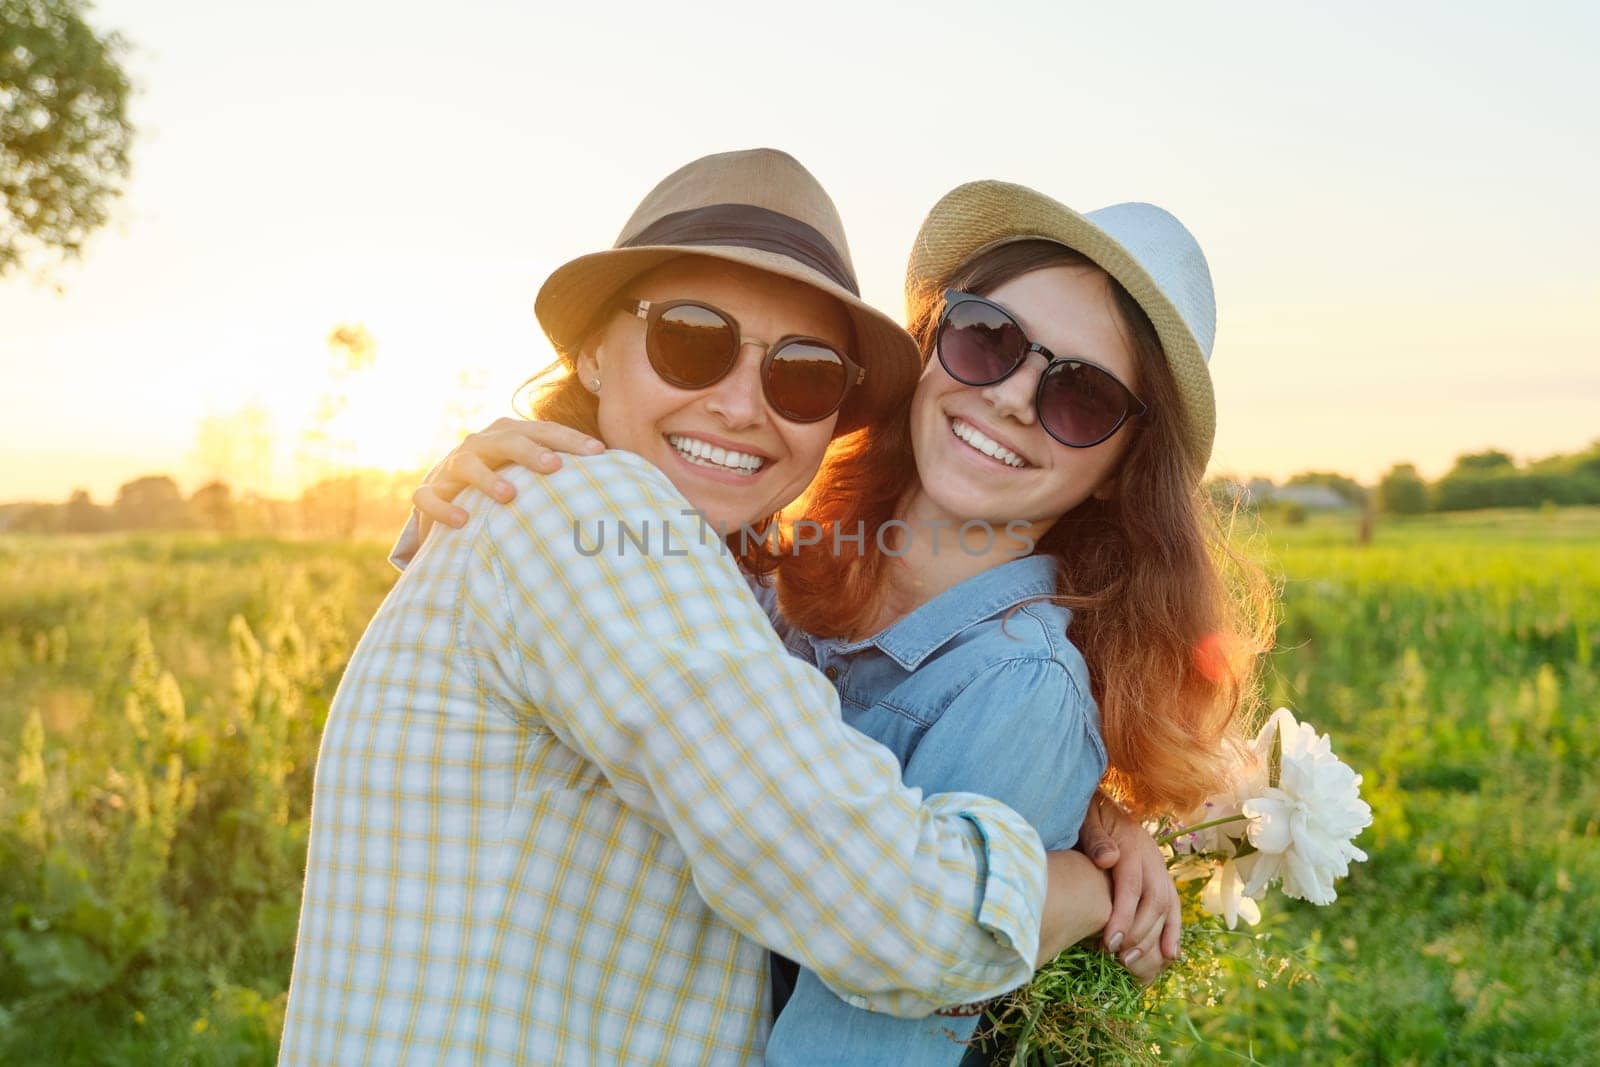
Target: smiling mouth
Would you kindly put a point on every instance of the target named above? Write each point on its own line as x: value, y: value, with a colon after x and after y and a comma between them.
x: 704, y: 454
x: 975, y: 439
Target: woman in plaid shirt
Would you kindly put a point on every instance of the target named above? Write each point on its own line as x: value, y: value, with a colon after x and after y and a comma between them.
x: 567, y: 790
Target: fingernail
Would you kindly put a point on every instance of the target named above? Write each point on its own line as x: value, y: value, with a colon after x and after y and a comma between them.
x: 1116, y: 941
x: 547, y: 459
x: 1132, y: 957
x: 502, y: 489
x: 592, y: 445
x: 458, y: 518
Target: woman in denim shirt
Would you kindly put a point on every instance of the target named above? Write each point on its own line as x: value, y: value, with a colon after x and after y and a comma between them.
x: 1022, y: 499
x: 974, y: 691
x: 1064, y: 400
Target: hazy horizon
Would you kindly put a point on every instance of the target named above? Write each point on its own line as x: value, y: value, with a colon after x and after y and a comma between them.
x: 1396, y: 205
x: 188, y: 485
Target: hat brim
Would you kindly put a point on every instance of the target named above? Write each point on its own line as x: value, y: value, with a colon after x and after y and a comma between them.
x: 975, y: 217
x: 571, y: 297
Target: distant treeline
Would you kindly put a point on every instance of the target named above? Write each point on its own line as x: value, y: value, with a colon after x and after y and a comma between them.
x: 1493, y: 480
x: 366, y: 504
x: 1489, y: 479
x: 372, y: 503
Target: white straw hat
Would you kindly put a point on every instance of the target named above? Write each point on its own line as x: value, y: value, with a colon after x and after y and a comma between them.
x: 1142, y: 246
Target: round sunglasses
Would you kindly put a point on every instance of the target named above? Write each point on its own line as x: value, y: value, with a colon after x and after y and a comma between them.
x: 1077, y: 402
x: 693, y: 345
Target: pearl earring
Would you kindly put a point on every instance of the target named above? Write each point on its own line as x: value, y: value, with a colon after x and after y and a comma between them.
x: 594, y: 383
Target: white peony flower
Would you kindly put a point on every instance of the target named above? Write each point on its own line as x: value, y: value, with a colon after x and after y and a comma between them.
x: 1224, y: 895
x: 1304, y: 827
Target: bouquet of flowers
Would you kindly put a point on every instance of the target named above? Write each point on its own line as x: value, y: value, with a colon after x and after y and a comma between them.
x: 1289, y: 818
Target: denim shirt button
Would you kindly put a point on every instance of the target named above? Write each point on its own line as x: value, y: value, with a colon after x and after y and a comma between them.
x: 832, y: 673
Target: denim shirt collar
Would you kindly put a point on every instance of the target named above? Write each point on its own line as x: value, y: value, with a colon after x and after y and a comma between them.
x: 925, y: 630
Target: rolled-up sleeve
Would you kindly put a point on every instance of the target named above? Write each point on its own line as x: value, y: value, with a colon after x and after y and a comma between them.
x: 657, y: 665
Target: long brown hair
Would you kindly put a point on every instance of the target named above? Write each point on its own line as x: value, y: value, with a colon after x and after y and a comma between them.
x: 1168, y: 616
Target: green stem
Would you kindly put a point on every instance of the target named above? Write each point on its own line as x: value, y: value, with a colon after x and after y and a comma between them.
x: 1019, y: 1057
x: 1172, y: 835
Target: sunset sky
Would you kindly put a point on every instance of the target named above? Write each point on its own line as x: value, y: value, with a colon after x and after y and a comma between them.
x: 1398, y: 204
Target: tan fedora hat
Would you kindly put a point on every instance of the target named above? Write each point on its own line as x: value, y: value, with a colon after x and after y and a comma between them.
x: 758, y: 207
x: 1140, y: 245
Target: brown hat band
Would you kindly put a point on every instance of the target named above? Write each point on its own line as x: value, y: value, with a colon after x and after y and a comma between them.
x: 748, y: 226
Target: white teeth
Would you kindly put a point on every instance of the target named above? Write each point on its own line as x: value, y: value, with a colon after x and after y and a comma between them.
x: 987, y: 445
x: 707, y: 455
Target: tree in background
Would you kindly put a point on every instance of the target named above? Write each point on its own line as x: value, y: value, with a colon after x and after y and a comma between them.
x: 1488, y: 462
x: 83, y: 515
x: 331, y: 503
x: 150, y: 503
x: 1492, y: 480
x: 1402, y: 491
x: 64, y: 129
x: 237, y: 447
x: 212, y: 506
x: 332, y: 507
x: 1585, y: 464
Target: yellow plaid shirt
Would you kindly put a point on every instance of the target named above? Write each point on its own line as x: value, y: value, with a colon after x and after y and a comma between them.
x: 565, y: 798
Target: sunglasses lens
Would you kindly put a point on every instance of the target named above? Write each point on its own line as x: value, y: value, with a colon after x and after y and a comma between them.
x: 979, y: 344
x: 1081, y: 404
x: 691, y: 346
x: 806, y: 381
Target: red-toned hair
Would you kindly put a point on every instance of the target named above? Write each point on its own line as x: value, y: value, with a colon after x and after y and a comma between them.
x: 1169, y: 618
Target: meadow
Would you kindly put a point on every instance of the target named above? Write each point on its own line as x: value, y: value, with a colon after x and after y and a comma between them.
x: 1454, y: 663
x: 161, y: 700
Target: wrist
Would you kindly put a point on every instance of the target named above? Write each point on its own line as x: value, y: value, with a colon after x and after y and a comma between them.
x: 1104, y: 899
x: 1077, y: 902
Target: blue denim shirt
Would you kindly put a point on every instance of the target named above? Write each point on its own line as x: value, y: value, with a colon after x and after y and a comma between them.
x: 971, y: 697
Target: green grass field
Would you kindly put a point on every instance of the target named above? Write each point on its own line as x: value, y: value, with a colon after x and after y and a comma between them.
x: 162, y: 700
x: 1453, y: 660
